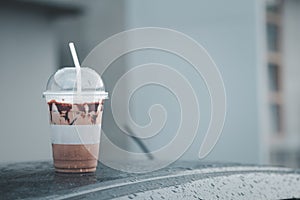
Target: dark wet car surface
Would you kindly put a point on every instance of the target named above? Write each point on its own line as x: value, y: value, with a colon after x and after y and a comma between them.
x: 182, y: 180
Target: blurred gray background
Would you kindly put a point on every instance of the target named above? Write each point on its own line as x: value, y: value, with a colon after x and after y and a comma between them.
x: 34, y: 38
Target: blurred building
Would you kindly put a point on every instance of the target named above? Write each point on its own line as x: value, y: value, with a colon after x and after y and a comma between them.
x: 283, y: 69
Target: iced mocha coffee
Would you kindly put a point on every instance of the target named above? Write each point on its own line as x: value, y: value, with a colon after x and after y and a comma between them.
x: 81, y: 157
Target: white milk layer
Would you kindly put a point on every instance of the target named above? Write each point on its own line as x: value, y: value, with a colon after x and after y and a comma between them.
x: 75, y: 134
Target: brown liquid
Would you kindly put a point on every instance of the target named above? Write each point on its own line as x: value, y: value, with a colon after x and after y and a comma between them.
x: 71, y: 158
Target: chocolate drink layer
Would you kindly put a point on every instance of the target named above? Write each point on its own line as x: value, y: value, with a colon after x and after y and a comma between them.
x: 75, y: 158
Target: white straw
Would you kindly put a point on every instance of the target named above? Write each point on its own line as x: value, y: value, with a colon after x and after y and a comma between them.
x: 77, y: 65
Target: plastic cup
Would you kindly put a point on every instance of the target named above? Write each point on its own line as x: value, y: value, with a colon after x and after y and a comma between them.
x: 75, y: 119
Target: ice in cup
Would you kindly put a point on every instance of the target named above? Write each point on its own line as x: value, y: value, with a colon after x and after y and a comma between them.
x: 75, y: 118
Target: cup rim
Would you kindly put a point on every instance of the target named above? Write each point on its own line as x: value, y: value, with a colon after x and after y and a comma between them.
x: 74, y: 93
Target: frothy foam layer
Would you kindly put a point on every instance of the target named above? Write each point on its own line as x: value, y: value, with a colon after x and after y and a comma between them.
x: 73, y: 98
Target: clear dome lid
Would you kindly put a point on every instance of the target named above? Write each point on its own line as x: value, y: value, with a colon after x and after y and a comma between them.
x: 64, y: 82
